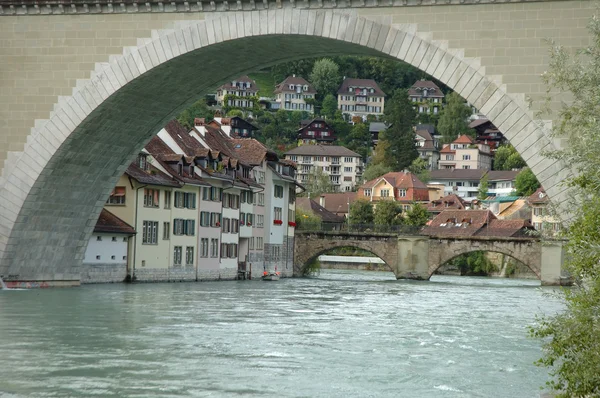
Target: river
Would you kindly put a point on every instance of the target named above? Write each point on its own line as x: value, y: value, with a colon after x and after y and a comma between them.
x: 341, y: 334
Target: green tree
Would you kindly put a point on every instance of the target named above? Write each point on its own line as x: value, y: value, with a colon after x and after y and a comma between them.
x: 388, y: 212
x: 329, y: 107
x: 526, y: 183
x: 198, y: 110
x: 375, y: 170
x: 484, y: 185
x: 361, y: 212
x: 325, y: 77
x: 400, y: 115
x: 307, y: 220
x: 507, y: 158
x: 420, y: 168
x: 359, y: 139
x: 416, y: 216
x: 571, y: 339
x: 474, y: 263
x: 318, y: 183
x: 453, y: 121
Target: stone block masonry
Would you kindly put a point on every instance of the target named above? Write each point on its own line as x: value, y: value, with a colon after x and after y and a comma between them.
x: 72, y: 85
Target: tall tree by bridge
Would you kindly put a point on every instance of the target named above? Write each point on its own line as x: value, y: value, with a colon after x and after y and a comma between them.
x: 572, y: 338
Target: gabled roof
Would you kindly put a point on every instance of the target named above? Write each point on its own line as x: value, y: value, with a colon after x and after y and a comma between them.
x: 109, y: 223
x: 417, y: 88
x: 398, y: 179
x: 457, y: 174
x: 360, y: 83
x: 322, y: 150
x: 376, y: 127
x: 338, y: 202
x: 502, y: 175
x: 538, y: 197
x: 249, y: 150
x: 284, y: 86
x: 476, y: 223
x: 448, y: 202
x: 447, y: 149
x: 479, y: 122
x: 425, y: 135
x: 463, y: 139
x: 179, y: 134
x: 152, y: 177
x: 313, y: 207
x: 241, y: 79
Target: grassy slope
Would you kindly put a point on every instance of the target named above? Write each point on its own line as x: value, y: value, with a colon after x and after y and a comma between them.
x: 265, y: 82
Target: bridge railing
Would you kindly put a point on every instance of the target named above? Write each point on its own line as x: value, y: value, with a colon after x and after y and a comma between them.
x: 359, y: 228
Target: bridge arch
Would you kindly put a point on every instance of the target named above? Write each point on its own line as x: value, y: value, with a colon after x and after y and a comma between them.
x: 527, y: 252
x: 53, y: 191
x: 309, y: 246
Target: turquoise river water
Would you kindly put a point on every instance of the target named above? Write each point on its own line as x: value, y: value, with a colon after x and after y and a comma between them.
x: 342, y: 334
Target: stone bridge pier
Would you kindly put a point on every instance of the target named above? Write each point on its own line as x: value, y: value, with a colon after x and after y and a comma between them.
x: 418, y: 257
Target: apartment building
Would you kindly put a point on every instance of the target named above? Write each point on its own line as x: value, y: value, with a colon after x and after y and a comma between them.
x: 426, y: 97
x: 205, y: 207
x: 295, y: 94
x: 402, y: 187
x: 541, y: 217
x: 465, y: 153
x: 239, y: 93
x: 343, y: 166
x: 361, y: 97
x: 465, y: 182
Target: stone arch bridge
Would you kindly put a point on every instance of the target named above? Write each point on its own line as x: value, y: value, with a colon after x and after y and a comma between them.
x: 418, y: 257
x: 85, y: 84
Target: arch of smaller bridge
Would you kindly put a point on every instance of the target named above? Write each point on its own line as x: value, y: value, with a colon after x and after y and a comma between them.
x: 526, y: 251
x: 309, y: 246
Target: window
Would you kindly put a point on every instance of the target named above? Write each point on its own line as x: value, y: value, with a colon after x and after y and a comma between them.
x: 251, y: 243
x: 292, y: 196
x: 466, y: 167
x: 260, y: 221
x: 117, y: 196
x: 99, y: 238
x: 226, y: 225
x: 261, y: 199
x: 214, y: 248
x: 166, y: 230
x: 113, y: 257
x: 204, y: 219
x: 229, y: 250
x: 235, y: 225
x: 278, y: 191
x: 538, y: 211
x: 205, y: 193
x: 216, y: 194
x: 215, y: 219
x: 349, y: 160
x: 259, y: 243
x: 149, y: 232
x: 151, y: 197
x: 185, y: 200
x: 234, y: 201
x: 466, y: 157
x: 348, y: 169
x: 204, y: 247
x: 167, y: 199
x: 277, y: 213
x: 367, y: 192
x: 402, y: 193
x: 184, y: 227
x: 189, y: 255
x: 177, y: 252
x: 291, y: 215
x: 385, y: 193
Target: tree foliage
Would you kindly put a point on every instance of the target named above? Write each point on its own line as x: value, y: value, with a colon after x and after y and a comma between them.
x: 329, y: 106
x: 484, y: 185
x: 507, y: 158
x: 359, y: 139
x: 325, y: 77
x: 420, y: 168
x: 400, y: 137
x: 361, y: 212
x: 526, y: 183
x: 198, y: 110
x: 474, y: 263
x: 453, y: 121
x: 571, y: 339
x: 417, y: 215
x: 318, y: 183
x: 388, y: 212
x: 374, y: 170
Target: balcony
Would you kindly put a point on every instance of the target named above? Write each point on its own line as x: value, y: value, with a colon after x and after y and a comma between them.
x: 335, y: 171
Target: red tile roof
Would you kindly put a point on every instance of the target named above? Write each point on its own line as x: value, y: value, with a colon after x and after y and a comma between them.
x: 338, y: 202
x: 448, y: 202
x: 538, y: 197
x: 464, y: 223
x: 417, y: 190
x: 109, y: 223
x: 151, y: 177
x: 463, y: 139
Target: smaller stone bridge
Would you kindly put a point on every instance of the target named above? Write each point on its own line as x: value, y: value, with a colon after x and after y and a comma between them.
x: 419, y: 256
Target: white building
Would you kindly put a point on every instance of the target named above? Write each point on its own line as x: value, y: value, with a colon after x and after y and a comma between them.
x: 465, y: 153
x: 465, y: 182
x: 295, y: 94
x: 361, y: 97
x: 343, y: 166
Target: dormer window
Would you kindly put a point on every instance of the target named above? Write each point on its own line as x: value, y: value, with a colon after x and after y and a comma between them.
x: 191, y: 170
x: 180, y: 169
x: 291, y: 86
x: 349, y: 89
x: 305, y: 87
x: 142, y: 161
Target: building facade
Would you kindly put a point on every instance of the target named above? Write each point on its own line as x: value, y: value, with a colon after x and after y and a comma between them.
x: 295, y: 94
x: 426, y: 97
x: 239, y: 93
x: 541, y: 217
x: 427, y: 146
x: 465, y: 153
x: 402, y: 187
x: 315, y: 131
x: 343, y: 166
x: 361, y: 97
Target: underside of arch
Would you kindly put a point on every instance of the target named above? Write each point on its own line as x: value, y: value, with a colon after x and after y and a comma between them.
x: 54, y: 190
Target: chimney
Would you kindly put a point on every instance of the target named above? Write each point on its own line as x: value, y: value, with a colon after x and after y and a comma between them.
x: 226, y: 126
x: 200, y: 125
x: 322, y: 201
